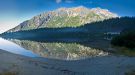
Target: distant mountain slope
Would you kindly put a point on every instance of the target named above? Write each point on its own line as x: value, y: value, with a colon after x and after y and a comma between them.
x: 65, y: 17
x: 88, y: 31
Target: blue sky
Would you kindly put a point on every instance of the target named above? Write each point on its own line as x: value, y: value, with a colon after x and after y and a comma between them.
x: 13, y: 12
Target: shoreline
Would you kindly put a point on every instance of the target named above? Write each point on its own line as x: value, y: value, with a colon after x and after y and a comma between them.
x: 106, y: 65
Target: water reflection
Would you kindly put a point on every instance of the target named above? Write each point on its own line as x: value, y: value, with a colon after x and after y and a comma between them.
x: 64, y: 51
x: 14, y: 48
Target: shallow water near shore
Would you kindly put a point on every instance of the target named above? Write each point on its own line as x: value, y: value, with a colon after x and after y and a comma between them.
x: 14, y: 48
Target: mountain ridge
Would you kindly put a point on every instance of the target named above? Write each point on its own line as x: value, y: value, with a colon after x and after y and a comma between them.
x: 65, y: 17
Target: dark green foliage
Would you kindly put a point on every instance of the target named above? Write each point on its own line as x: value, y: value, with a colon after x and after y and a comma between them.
x: 114, y: 24
x: 125, y: 39
x: 49, y: 33
x: 130, y: 73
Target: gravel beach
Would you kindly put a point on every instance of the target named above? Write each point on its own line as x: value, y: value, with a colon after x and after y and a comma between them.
x: 107, y: 65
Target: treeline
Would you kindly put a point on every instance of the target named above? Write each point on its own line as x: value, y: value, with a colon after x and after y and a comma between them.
x: 125, y: 39
x: 44, y: 34
x: 113, y: 24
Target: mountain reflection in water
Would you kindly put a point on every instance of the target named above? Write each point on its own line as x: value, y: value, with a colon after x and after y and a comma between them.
x: 63, y: 51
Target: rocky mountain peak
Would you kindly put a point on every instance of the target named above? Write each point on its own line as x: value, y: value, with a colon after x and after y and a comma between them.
x: 81, y: 10
x: 66, y: 17
x: 104, y: 12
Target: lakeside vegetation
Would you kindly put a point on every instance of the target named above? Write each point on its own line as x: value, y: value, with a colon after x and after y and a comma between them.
x: 125, y: 42
x: 125, y: 39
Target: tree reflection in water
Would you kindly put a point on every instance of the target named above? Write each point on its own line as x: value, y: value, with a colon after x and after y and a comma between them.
x: 57, y: 50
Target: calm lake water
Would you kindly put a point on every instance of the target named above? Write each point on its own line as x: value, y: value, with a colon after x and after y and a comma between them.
x: 64, y: 51
x: 14, y: 48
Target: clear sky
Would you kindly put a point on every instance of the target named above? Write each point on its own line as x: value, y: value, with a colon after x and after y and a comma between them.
x: 13, y: 12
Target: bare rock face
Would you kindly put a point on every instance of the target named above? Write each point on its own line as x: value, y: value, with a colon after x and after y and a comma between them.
x: 65, y: 17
